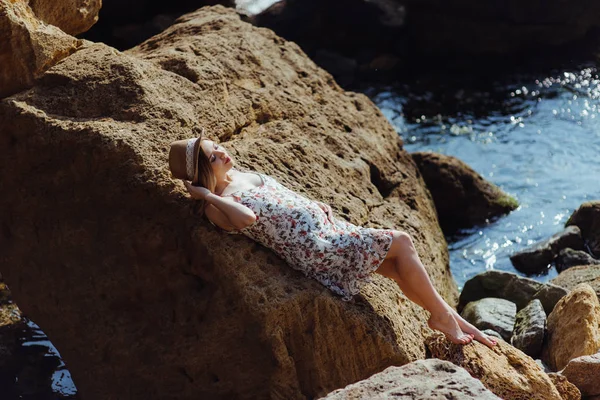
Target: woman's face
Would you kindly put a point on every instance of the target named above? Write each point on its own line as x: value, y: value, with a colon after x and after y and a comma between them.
x: 219, y: 160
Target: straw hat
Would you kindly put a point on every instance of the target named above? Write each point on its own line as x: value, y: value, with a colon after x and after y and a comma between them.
x: 183, y: 159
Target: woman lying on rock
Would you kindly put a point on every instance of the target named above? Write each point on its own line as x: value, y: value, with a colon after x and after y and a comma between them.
x: 306, y: 234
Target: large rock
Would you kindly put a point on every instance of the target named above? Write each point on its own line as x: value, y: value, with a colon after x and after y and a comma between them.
x: 71, y: 16
x: 505, y: 370
x: 568, y: 258
x: 462, y: 197
x: 584, y: 372
x: 573, y: 327
x: 529, y: 330
x: 492, y: 313
x: 142, y: 296
x: 29, y: 46
x: 587, y: 218
x: 510, y: 286
x: 537, y: 258
x: 423, y: 379
x: 567, y: 390
x: 573, y: 276
x: 497, y: 27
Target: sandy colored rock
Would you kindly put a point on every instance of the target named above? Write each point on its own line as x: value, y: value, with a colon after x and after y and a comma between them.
x: 567, y: 390
x: 106, y: 239
x: 573, y: 328
x: 462, y: 197
x: 573, y: 276
x: 71, y: 16
x: 584, y: 372
x: 504, y: 370
x: 29, y: 46
x: 422, y: 379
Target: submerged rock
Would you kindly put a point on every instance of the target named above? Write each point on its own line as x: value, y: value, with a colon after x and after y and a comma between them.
x: 422, y: 379
x: 568, y: 258
x: 538, y: 257
x: 462, y: 197
x: 504, y: 370
x: 106, y: 238
x: 587, y: 218
x: 573, y: 327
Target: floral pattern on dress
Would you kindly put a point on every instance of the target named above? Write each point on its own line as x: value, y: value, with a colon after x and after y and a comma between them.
x: 339, y: 255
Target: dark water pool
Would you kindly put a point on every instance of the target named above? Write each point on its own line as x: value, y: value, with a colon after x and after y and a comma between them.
x: 536, y: 135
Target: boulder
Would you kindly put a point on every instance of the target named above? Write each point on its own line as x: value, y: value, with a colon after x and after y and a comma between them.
x: 530, y: 326
x: 573, y: 327
x: 587, y: 218
x: 29, y: 46
x: 584, y: 372
x: 422, y: 379
x: 492, y: 313
x: 71, y: 16
x: 537, y: 259
x: 573, y: 276
x: 105, y: 238
x: 510, y: 286
x: 568, y: 258
x: 567, y: 390
x: 462, y: 197
x: 505, y: 370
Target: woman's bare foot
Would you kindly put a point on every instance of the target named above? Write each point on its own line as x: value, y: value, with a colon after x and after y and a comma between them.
x: 446, y: 323
x: 470, y: 329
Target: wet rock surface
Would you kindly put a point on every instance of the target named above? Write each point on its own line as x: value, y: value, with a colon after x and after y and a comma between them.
x: 568, y: 258
x: 587, y: 218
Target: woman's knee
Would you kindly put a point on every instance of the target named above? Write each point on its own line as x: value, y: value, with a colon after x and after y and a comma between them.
x: 403, y: 243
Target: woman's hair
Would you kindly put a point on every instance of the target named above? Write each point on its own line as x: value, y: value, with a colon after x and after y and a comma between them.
x: 206, y: 177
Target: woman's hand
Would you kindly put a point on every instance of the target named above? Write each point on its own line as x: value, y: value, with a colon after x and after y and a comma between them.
x: 327, y: 209
x: 197, y: 192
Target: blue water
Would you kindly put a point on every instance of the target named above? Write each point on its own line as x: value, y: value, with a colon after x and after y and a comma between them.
x: 536, y: 136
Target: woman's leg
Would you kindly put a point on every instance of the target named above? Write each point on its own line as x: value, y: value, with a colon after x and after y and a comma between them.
x: 404, y: 266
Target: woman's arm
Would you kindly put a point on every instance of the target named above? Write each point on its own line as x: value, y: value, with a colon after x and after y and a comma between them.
x: 238, y: 215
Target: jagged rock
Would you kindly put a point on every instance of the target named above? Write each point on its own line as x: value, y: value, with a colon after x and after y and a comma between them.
x: 573, y: 327
x: 71, y: 16
x: 573, y: 276
x: 492, y: 313
x: 538, y: 257
x: 29, y: 46
x: 584, y: 372
x: 530, y: 325
x: 106, y: 238
x: 422, y: 379
x: 462, y: 197
x: 505, y: 370
x: 568, y: 258
x: 587, y: 218
x: 509, y: 286
x: 567, y: 390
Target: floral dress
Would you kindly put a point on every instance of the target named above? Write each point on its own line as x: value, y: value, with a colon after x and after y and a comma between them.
x: 336, y: 253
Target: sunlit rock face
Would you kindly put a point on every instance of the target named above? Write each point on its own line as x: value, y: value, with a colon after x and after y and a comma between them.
x: 71, y: 16
x: 144, y: 297
x: 28, y: 46
x: 497, y: 27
